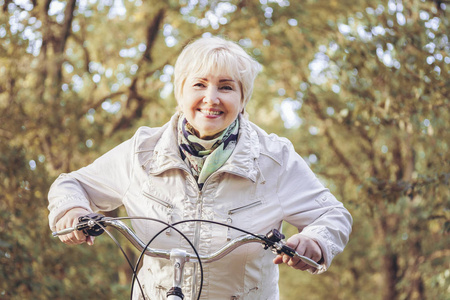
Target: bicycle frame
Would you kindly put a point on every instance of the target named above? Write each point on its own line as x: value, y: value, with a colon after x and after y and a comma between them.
x: 94, y: 224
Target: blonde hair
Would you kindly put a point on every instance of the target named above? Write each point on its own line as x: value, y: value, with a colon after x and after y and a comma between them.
x: 211, y: 55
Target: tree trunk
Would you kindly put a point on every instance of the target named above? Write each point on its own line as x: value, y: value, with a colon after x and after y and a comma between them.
x: 386, y: 226
x: 390, y: 262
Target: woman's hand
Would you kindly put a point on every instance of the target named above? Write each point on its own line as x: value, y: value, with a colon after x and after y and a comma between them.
x: 70, y: 219
x: 304, y: 246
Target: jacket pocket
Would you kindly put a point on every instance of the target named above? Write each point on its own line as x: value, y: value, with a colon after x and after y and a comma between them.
x: 166, y: 204
x: 238, y: 210
x: 244, y: 207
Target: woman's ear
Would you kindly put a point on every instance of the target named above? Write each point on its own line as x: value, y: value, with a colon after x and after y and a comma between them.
x: 242, y: 106
x: 244, y: 114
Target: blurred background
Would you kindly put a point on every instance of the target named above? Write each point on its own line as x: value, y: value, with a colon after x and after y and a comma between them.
x: 360, y: 87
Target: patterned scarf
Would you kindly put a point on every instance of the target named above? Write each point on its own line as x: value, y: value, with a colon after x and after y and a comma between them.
x: 204, y: 157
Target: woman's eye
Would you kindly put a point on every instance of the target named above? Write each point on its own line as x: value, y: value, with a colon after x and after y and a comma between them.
x: 227, y: 87
x: 199, y: 84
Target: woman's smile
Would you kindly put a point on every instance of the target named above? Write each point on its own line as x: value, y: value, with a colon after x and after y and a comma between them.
x: 210, y: 112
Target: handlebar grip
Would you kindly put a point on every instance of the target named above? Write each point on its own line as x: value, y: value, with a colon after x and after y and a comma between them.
x: 89, y: 224
x: 288, y: 250
x: 63, y: 232
x: 276, y: 242
x: 292, y: 253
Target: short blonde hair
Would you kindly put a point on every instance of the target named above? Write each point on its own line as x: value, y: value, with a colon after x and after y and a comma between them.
x: 210, y: 54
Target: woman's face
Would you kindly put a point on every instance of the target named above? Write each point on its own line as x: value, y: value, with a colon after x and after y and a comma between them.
x: 210, y: 103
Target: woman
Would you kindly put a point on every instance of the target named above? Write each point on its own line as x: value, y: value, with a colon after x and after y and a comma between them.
x: 209, y: 162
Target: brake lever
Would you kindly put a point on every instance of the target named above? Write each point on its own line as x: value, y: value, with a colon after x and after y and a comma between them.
x: 275, y: 241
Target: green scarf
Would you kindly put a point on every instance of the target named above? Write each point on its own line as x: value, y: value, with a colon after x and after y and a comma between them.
x: 204, y: 157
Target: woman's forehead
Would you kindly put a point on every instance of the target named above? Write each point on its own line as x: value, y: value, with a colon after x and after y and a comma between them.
x: 219, y: 76
x: 216, y: 65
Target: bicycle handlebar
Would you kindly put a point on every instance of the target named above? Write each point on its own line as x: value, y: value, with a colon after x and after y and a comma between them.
x: 94, y: 225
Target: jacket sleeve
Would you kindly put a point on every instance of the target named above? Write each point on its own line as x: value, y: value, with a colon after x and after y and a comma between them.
x: 98, y: 186
x: 309, y: 206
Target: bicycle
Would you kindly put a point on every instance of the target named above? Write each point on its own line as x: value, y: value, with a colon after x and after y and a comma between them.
x: 95, y: 225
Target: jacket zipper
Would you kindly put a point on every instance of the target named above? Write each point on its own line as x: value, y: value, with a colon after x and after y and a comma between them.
x: 196, y: 241
x: 198, y: 215
x: 237, y: 210
x: 166, y: 204
x: 159, y: 201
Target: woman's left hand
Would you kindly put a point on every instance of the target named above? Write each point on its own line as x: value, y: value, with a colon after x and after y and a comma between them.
x: 304, y: 246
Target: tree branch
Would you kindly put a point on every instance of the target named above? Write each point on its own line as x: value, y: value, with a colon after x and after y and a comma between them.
x: 67, y: 26
x: 314, y: 104
x: 152, y: 32
x: 99, y: 102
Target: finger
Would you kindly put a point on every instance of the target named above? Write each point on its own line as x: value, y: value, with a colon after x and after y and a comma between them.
x: 300, y: 265
x: 293, y: 262
x: 303, y: 267
x: 90, y: 240
x: 72, y: 239
x: 314, y: 253
x: 293, y: 241
x: 278, y: 259
x: 297, y: 263
x: 75, y: 241
x: 68, y: 239
x: 80, y: 236
x: 282, y: 258
x: 301, y: 249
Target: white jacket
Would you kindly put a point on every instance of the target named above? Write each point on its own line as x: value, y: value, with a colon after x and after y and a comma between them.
x: 263, y: 183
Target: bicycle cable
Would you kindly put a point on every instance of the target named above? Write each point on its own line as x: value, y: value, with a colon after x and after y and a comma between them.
x: 121, y: 249
x: 172, y: 226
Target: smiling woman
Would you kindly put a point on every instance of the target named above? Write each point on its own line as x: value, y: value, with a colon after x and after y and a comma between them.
x: 209, y: 162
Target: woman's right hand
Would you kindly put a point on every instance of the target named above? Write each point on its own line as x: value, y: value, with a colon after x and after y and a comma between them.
x: 70, y: 219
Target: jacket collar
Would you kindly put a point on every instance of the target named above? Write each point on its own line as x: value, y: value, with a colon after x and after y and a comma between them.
x: 242, y: 162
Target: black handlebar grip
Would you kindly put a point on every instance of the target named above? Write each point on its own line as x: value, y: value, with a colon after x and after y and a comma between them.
x: 288, y: 250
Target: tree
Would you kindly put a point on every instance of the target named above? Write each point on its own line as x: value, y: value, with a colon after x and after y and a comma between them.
x: 374, y: 94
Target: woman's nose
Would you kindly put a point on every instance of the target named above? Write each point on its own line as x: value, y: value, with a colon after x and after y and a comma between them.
x: 211, y: 96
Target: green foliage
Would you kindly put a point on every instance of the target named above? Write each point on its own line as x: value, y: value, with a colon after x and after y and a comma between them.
x: 360, y: 87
